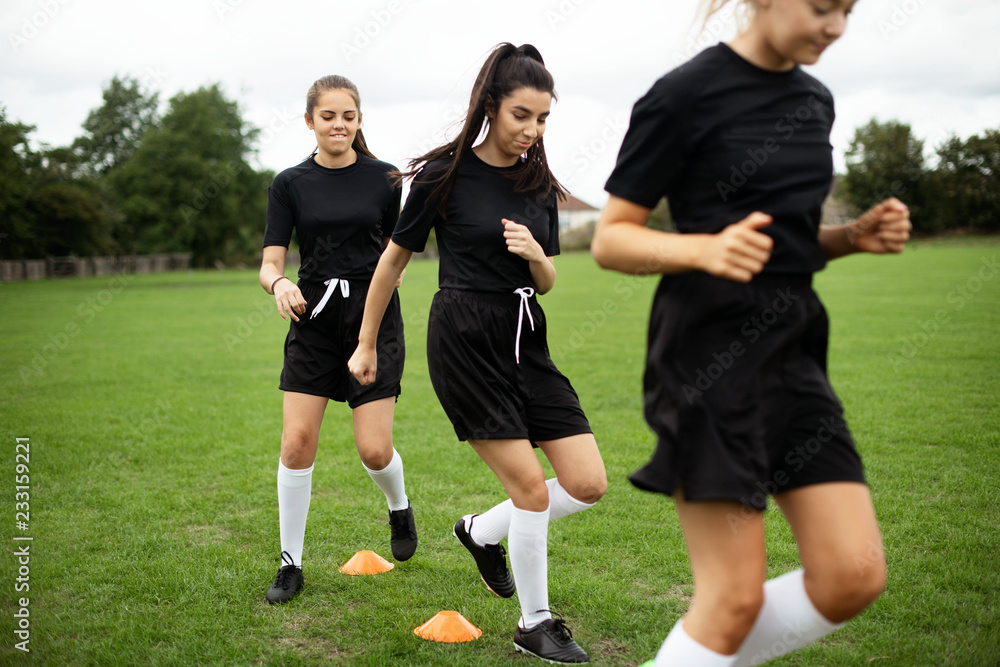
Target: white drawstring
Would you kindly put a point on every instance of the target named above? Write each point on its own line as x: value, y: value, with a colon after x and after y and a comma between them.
x: 525, y: 293
x: 331, y: 284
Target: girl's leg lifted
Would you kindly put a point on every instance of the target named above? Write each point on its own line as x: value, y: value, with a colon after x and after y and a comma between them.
x: 579, y: 469
x: 840, y: 544
x: 579, y: 483
x: 843, y: 570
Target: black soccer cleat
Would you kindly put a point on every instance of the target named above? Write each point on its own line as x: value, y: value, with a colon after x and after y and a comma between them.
x: 551, y: 641
x: 490, y: 559
x: 404, y: 533
x: 287, y: 583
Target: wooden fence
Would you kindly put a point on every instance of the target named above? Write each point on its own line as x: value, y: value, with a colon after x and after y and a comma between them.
x: 80, y: 267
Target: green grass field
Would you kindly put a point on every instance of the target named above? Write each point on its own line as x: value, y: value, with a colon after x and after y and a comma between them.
x: 151, y: 408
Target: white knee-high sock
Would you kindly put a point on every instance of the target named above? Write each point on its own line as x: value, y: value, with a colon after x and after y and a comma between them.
x: 680, y: 649
x: 787, y: 621
x: 493, y: 525
x: 390, y: 480
x: 294, y: 490
x: 527, y: 546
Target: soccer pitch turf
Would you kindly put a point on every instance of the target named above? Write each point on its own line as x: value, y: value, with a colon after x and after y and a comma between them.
x: 152, y: 414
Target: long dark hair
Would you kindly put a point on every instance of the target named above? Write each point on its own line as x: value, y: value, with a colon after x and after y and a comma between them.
x: 508, y: 68
x: 337, y: 82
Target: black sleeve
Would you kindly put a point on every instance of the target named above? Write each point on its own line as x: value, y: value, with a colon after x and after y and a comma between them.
x: 280, y: 219
x: 652, y: 153
x: 552, y: 247
x: 417, y: 218
x: 390, y: 215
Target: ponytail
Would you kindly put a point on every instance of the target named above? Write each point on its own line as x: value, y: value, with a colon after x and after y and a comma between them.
x: 506, y: 69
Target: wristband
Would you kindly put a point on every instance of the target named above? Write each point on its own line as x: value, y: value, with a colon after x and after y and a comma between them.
x: 275, y: 282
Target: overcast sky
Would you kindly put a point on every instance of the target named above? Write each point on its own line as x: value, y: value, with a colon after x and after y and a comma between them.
x: 934, y: 64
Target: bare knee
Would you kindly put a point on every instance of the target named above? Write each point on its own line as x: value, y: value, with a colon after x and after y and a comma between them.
x: 298, y: 448
x: 375, y: 456
x: 724, y: 620
x: 844, y: 593
x: 588, y: 490
x: 532, y: 495
x: 739, y: 614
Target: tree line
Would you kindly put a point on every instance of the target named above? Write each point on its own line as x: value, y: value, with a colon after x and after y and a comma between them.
x: 960, y: 192
x: 138, y: 182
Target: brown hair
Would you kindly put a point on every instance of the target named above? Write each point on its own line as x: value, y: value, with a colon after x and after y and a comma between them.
x: 508, y: 68
x: 337, y: 82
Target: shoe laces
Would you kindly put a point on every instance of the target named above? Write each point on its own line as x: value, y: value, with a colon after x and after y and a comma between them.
x: 559, y: 626
x: 399, y: 526
x: 499, y: 556
x: 284, y: 577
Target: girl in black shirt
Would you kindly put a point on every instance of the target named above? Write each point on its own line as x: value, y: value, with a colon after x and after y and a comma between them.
x: 736, y: 390
x: 342, y: 205
x: 493, y: 207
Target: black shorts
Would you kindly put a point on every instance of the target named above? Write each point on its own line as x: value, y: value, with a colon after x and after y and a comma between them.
x: 737, y: 392
x: 317, y: 348
x: 486, y: 393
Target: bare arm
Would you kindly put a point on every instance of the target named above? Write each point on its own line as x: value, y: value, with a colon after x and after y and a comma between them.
x: 522, y: 243
x: 363, y: 363
x: 287, y: 296
x: 623, y: 243
x: 884, y: 228
x: 385, y: 244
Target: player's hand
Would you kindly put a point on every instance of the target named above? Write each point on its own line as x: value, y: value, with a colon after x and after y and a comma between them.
x: 884, y: 228
x: 740, y: 251
x: 363, y: 364
x: 289, y: 299
x: 521, y: 242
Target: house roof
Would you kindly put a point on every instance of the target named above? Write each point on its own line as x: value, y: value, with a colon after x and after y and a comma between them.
x: 574, y: 204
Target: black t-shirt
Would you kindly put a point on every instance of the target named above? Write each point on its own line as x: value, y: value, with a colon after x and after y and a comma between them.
x: 470, y: 239
x: 721, y: 138
x: 340, y: 216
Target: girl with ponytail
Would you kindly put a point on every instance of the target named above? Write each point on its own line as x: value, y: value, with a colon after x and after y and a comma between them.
x: 493, y: 206
x: 342, y: 203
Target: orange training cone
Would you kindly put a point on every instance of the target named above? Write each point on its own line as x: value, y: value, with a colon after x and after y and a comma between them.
x: 366, y: 562
x: 448, y: 626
